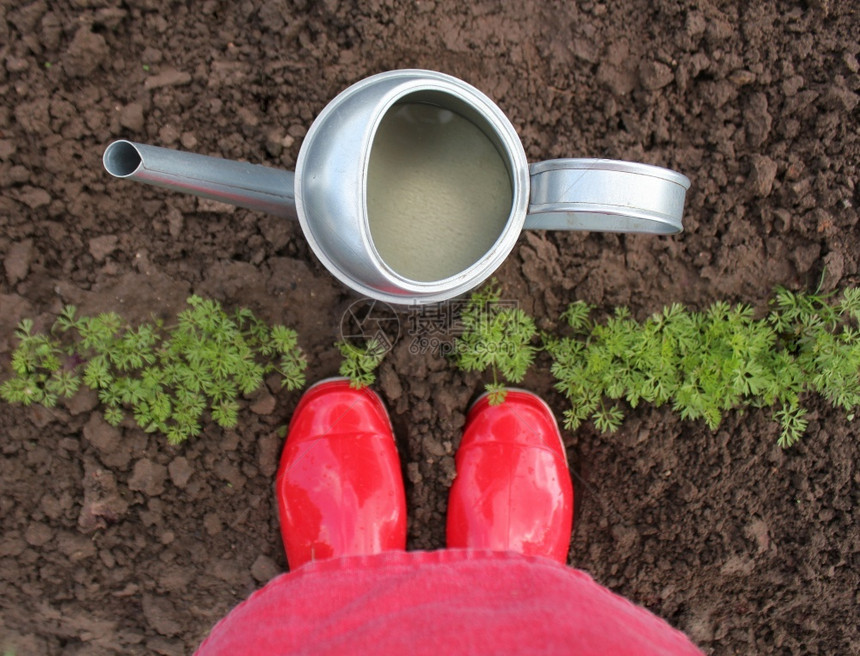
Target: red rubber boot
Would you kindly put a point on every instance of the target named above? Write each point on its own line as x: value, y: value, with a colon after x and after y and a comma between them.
x: 513, y: 490
x: 339, y: 486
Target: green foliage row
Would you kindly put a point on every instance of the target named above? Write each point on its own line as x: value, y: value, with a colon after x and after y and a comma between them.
x: 165, y: 377
x: 702, y: 363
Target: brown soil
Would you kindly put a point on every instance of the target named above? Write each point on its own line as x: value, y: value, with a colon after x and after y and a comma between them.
x: 115, y: 543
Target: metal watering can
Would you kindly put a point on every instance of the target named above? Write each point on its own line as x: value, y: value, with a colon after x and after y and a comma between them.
x: 412, y: 187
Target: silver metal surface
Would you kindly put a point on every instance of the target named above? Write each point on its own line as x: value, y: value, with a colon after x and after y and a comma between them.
x: 238, y: 183
x: 331, y: 183
x: 606, y: 196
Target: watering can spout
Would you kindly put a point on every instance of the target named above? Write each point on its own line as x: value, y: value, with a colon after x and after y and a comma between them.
x: 246, y: 185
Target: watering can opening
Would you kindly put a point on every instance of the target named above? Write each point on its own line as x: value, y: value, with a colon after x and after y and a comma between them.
x: 439, y: 188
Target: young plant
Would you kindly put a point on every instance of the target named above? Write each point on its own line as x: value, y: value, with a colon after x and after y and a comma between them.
x: 165, y: 377
x: 495, y: 336
x: 360, y: 361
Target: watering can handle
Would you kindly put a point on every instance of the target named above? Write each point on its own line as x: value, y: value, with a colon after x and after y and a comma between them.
x: 238, y: 183
x: 605, y: 196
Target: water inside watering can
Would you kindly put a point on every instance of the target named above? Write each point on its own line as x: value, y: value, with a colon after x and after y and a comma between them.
x: 438, y: 193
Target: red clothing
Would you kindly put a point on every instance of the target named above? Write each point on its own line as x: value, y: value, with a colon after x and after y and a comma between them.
x: 445, y: 603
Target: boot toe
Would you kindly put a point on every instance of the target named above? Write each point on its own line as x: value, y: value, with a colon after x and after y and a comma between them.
x: 333, y: 407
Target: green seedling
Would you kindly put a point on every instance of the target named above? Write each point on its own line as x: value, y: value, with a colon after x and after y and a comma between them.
x: 166, y: 378
x: 497, y: 337
x: 360, y: 361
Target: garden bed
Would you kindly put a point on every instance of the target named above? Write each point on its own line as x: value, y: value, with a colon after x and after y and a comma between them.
x: 114, y: 541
